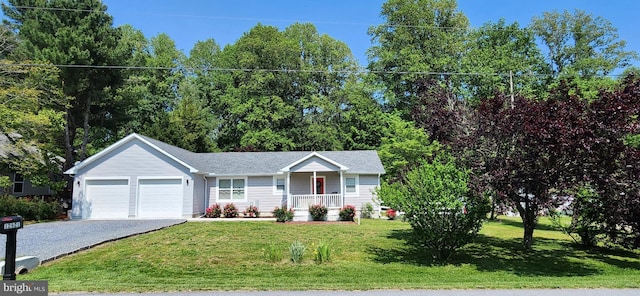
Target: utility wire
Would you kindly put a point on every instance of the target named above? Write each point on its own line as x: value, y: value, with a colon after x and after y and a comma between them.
x: 216, y: 69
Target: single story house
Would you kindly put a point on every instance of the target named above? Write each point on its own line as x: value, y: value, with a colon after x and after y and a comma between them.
x: 140, y: 177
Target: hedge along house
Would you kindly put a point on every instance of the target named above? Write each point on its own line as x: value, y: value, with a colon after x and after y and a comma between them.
x: 140, y: 177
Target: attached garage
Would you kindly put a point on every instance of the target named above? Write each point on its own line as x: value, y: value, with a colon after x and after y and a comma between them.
x: 160, y: 198
x: 106, y: 199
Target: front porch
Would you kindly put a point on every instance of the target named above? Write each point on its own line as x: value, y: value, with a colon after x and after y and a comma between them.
x: 300, y: 202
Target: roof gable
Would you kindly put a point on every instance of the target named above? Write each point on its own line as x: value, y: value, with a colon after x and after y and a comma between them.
x: 154, y: 144
x: 310, y: 156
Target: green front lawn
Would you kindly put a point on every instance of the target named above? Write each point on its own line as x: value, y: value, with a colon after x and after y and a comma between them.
x: 230, y: 256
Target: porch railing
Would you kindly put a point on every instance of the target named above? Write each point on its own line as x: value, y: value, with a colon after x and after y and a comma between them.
x: 303, y: 201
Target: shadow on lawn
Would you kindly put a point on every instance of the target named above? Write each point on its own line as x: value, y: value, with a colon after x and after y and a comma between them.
x: 548, y: 258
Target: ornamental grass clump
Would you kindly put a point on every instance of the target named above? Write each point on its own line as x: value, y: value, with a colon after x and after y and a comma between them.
x: 273, y: 253
x: 230, y: 211
x: 321, y: 252
x: 318, y: 212
x: 296, y: 250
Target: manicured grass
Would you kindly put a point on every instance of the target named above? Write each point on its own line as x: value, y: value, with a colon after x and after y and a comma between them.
x: 230, y: 256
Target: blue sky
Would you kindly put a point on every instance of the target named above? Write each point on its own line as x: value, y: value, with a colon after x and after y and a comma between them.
x: 189, y: 21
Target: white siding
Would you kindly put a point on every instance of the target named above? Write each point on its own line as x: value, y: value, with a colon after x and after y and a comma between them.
x: 131, y: 160
x: 367, y: 184
x: 315, y: 164
x: 259, y: 193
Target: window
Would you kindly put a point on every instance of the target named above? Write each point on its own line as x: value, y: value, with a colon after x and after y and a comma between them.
x: 232, y: 189
x: 18, y: 183
x: 278, y: 185
x: 351, y: 185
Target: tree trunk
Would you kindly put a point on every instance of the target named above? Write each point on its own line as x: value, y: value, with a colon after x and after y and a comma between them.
x: 85, y: 127
x: 528, y: 214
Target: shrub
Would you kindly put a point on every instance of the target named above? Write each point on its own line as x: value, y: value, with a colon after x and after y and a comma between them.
x: 230, y: 211
x: 251, y: 212
x: 28, y: 209
x: 214, y: 211
x: 273, y: 253
x: 321, y: 253
x: 282, y: 214
x: 436, y: 202
x: 347, y: 213
x: 391, y: 214
x: 296, y: 250
x: 367, y: 211
x: 318, y: 212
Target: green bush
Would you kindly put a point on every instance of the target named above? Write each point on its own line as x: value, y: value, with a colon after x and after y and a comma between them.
x: 367, y: 211
x: 29, y: 210
x: 318, y: 212
x: 282, y: 214
x: 230, y: 211
x: 436, y: 202
x: 347, y: 213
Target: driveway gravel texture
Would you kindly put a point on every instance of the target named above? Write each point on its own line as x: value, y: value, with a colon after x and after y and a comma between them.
x: 52, y: 240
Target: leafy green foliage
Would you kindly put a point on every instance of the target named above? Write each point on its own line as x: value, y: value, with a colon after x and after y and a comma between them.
x: 321, y: 252
x: 403, y: 145
x: 438, y: 206
x: 273, y: 253
x: 416, y: 36
x: 30, y: 210
x: 296, y: 251
x: 318, y: 212
x: 347, y: 213
x: 282, y: 214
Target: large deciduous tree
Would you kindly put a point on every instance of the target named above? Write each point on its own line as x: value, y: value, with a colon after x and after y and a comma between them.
x: 418, y: 37
x: 503, y: 58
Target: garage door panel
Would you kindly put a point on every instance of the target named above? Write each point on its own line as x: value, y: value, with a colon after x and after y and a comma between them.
x: 106, y: 199
x: 160, y: 198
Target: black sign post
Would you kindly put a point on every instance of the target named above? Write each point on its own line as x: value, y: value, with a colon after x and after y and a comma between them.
x: 9, y: 225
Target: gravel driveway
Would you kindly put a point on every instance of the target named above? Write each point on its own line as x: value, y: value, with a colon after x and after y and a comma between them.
x: 52, y: 240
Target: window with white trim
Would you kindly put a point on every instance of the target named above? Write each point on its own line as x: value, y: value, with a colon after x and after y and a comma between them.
x: 351, y: 185
x: 278, y: 185
x: 18, y: 183
x: 232, y: 189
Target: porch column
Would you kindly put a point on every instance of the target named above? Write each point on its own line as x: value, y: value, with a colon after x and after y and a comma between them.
x: 288, y: 189
x: 314, y: 189
x: 342, y: 187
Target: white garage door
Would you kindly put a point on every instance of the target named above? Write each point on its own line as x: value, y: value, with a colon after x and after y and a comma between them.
x: 160, y: 198
x: 106, y: 199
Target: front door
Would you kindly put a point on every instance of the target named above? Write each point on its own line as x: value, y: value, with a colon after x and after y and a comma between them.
x: 319, y: 187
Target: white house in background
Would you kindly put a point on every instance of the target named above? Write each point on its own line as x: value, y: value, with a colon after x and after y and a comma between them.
x: 140, y: 177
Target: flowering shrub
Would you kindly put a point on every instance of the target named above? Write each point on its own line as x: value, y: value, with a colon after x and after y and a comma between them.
x: 230, y: 211
x: 214, y: 211
x: 251, y: 212
x: 282, y: 214
x: 318, y: 212
x: 347, y: 213
x: 391, y: 214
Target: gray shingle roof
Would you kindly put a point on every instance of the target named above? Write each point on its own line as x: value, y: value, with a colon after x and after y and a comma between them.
x: 268, y: 163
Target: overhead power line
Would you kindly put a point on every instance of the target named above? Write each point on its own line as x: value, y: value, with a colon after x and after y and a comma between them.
x: 216, y: 69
